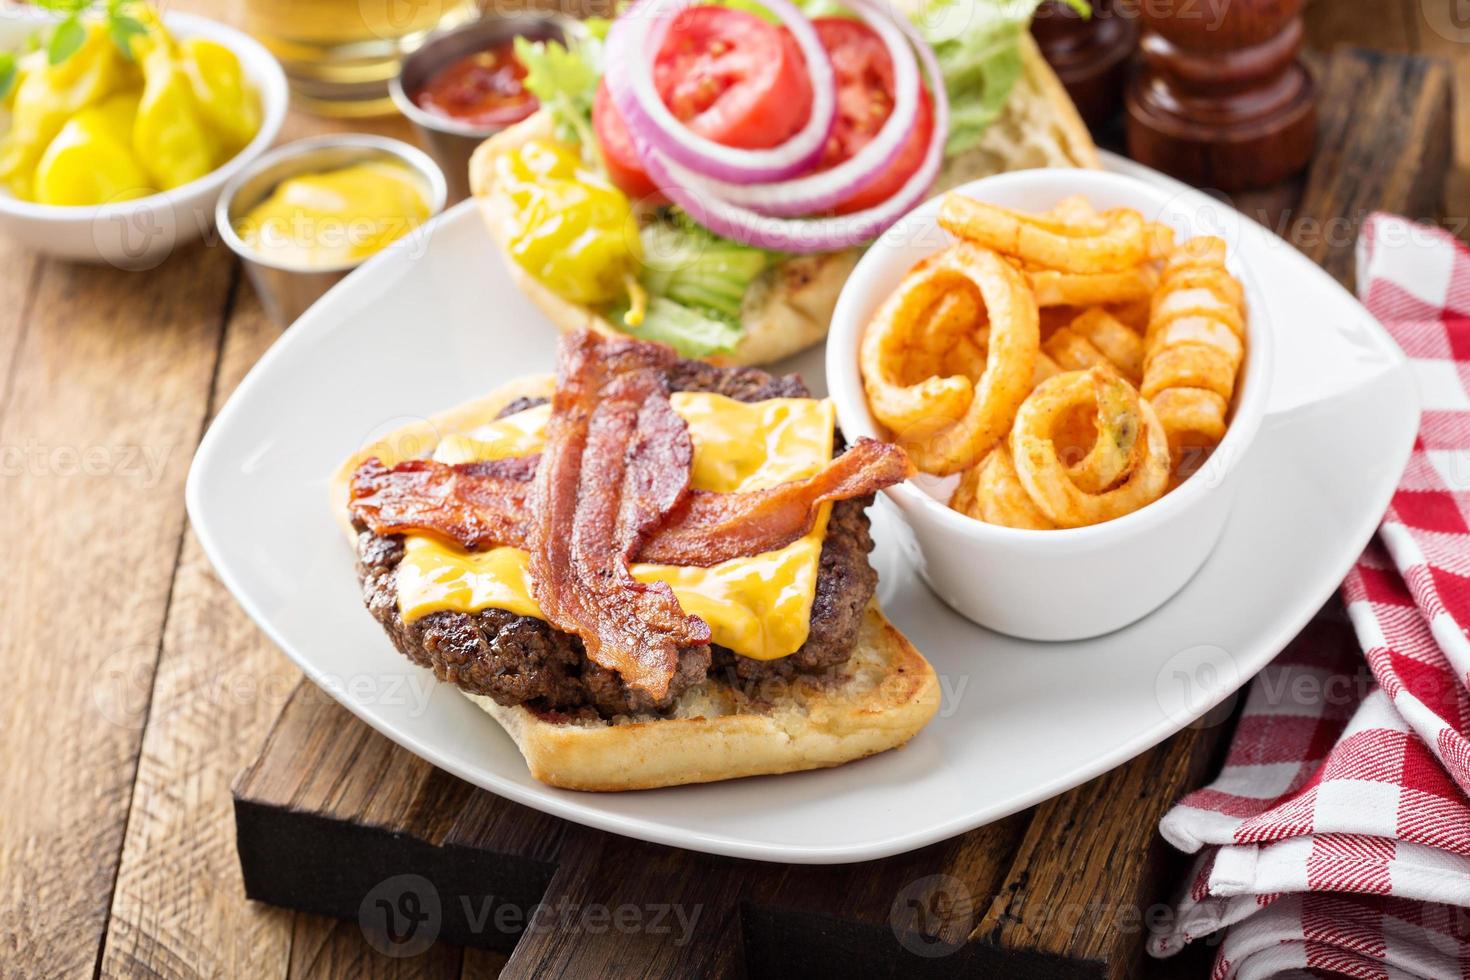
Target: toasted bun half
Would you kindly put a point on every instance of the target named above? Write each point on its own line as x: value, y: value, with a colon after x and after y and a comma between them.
x: 886, y: 693
x: 789, y: 308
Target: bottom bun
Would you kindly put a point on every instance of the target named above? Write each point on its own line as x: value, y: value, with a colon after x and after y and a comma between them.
x: 888, y: 692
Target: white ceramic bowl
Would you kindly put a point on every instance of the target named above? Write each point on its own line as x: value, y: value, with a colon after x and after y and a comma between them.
x: 1080, y: 582
x: 141, y: 233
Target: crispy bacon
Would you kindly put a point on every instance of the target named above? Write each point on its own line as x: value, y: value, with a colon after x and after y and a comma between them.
x: 714, y: 527
x: 476, y: 504
x: 706, y: 529
x: 612, y: 483
x: 616, y: 461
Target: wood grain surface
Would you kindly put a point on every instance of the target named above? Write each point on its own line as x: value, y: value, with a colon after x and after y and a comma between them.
x: 140, y: 688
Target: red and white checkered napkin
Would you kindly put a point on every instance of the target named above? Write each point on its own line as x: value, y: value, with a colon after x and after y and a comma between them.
x: 1336, y: 841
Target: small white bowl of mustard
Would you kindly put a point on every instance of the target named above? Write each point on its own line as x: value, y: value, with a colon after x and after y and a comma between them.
x: 306, y: 214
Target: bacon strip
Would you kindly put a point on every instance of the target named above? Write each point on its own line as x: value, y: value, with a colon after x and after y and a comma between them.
x: 706, y: 529
x: 715, y: 527
x: 616, y: 461
x: 476, y: 504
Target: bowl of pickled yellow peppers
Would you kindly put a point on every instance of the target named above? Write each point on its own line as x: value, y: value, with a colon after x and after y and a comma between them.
x: 118, y: 150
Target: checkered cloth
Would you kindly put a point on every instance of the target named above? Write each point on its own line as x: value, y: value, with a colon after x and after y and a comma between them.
x: 1336, y: 841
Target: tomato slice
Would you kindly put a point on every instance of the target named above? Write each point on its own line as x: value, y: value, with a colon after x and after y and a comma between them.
x: 864, y: 75
x: 618, y: 155
x: 741, y: 81
x: 728, y: 75
x: 733, y: 78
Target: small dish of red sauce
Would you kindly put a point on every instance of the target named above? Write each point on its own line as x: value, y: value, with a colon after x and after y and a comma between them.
x: 481, y: 89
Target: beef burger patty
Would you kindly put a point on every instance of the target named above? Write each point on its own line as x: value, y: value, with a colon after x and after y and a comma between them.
x: 522, y: 660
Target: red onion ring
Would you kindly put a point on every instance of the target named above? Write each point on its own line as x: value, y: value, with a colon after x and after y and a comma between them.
x: 744, y: 225
x: 823, y: 191
x: 638, y: 35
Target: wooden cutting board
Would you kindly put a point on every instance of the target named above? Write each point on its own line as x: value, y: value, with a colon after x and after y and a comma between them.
x: 334, y: 818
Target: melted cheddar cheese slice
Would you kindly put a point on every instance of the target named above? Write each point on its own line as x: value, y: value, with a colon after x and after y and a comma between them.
x: 759, y: 606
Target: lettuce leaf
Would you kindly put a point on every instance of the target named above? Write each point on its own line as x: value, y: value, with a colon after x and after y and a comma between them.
x: 975, y: 42
x: 691, y: 332
x: 696, y: 283
x: 564, y: 79
x: 697, y: 268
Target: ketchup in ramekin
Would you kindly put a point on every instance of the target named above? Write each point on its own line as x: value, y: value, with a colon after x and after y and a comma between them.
x: 480, y: 89
x: 465, y: 85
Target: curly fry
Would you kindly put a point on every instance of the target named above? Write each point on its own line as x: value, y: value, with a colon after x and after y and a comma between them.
x: 1133, y: 315
x: 1045, y: 368
x: 1073, y: 352
x: 948, y: 424
x: 898, y: 399
x: 1171, y: 304
x: 1189, y: 366
x: 1203, y: 330
x: 1120, y: 244
x: 1203, y: 250
x: 951, y: 335
x: 991, y: 492
x: 1071, y: 365
x: 1046, y: 478
x: 1055, y: 288
x: 1195, y: 345
x: 1075, y: 210
x: 1120, y: 344
x: 1193, y: 418
x: 1116, y: 448
x: 1215, y: 279
x: 1160, y: 240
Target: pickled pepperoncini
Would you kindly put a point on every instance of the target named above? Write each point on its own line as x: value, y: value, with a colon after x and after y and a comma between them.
x: 170, y: 136
x: 91, y: 159
x: 569, y: 227
x: 123, y: 113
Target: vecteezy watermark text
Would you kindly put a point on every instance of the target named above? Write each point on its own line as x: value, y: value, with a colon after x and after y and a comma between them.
x: 403, y: 915
x: 143, y: 464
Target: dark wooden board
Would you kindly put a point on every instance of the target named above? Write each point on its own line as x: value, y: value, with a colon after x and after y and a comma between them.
x: 333, y: 818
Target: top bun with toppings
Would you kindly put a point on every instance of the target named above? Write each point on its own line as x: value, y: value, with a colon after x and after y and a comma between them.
x: 714, y: 195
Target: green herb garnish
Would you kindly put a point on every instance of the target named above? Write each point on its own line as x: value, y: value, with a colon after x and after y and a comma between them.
x: 71, y: 32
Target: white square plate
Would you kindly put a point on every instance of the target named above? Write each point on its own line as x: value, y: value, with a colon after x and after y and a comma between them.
x: 435, y: 321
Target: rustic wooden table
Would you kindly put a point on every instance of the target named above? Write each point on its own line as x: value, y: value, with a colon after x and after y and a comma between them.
x: 138, y: 688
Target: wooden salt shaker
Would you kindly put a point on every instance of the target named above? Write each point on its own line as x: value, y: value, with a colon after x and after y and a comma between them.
x: 1222, y: 99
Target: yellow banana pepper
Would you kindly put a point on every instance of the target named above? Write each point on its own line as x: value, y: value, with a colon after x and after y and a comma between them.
x: 47, y: 96
x: 170, y: 135
x: 224, y: 97
x: 572, y: 229
x: 91, y: 160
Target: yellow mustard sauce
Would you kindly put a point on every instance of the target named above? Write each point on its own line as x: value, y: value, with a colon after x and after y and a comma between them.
x: 758, y: 606
x: 338, y: 217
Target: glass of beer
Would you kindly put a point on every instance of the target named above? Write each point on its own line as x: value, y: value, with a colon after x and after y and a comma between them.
x: 340, y: 54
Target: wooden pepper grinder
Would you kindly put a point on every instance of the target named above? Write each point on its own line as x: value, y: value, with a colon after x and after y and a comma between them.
x: 1222, y: 99
x: 1089, y: 56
